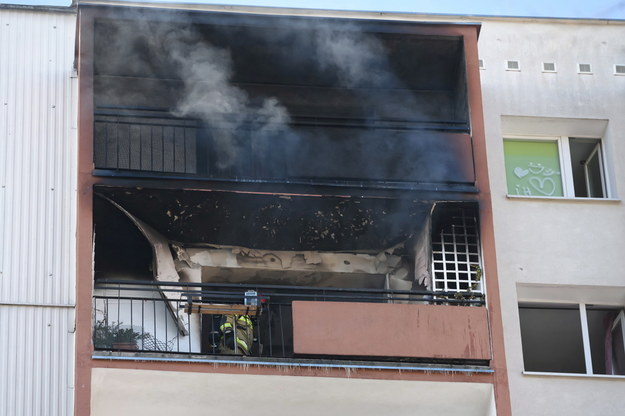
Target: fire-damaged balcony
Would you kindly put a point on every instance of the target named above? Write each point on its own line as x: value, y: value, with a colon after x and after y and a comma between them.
x: 330, y: 278
x: 323, y: 166
x: 269, y: 99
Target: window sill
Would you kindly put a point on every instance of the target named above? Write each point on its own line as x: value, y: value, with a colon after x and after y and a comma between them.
x: 576, y: 375
x: 564, y: 198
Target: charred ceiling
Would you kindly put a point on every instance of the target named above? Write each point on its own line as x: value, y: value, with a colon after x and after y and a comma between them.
x: 281, y: 99
x: 270, y: 222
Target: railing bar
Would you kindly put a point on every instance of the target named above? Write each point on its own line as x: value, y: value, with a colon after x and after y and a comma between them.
x: 282, y: 331
x: 101, y: 285
x: 106, y: 145
x: 166, y: 319
x: 328, y: 298
x: 293, y: 296
x: 117, y: 139
x: 118, y: 312
x: 190, y: 332
x: 270, y: 330
x: 154, y: 320
x: 142, y: 324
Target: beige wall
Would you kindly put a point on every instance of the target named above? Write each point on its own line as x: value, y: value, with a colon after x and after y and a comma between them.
x: 573, y: 242
x: 164, y: 393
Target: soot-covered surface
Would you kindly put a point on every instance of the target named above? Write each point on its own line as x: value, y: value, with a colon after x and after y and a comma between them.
x: 273, y: 222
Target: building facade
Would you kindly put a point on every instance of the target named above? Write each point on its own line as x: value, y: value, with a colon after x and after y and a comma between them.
x: 294, y: 211
x: 558, y: 250
x: 332, y: 166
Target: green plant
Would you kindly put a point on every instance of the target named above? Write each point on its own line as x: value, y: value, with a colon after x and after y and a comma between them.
x: 106, y: 335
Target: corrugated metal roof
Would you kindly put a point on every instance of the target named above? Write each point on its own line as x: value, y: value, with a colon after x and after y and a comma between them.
x: 37, y: 211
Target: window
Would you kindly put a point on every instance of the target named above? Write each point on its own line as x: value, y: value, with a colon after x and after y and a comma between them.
x: 619, y: 69
x: 481, y: 63
x: 584, y: 69
x: 574, y: 338
x: 555, y: 167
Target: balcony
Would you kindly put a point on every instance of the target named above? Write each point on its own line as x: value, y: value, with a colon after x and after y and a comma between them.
x: 182, y: 321
x: 281, y: 100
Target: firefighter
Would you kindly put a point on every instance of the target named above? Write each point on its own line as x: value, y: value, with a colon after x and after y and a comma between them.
x: 239, y: 329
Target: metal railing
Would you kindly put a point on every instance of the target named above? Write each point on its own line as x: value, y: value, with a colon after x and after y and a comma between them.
x: 159, y: 317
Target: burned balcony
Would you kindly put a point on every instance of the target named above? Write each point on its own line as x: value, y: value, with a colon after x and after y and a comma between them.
x: 326, y: 272
x: 274, y: 99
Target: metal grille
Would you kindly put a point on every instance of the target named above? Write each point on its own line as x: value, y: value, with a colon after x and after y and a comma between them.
x: 456, y: 259
x: 513, y: 65
x: 549, y: 67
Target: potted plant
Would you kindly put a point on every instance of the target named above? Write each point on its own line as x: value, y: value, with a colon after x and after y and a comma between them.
x: 113, y: 336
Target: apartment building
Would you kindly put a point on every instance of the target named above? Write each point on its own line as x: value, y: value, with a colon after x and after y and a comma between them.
x: 552, y: 93
x: 291, y: 211
x: 320, y: 180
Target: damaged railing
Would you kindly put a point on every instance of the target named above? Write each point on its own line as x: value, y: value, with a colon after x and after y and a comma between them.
x: 222, y: 319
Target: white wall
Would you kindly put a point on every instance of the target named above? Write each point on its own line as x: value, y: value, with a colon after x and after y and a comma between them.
x: 147, y: 317
x: 162, y: 393
x: 37, y: 212
x: 560, y: 242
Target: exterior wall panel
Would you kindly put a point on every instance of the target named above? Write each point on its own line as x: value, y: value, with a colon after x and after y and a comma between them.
x: 571, y: 247
x: 37, y: 211
x: 391, y: 330
x: 36, y: 360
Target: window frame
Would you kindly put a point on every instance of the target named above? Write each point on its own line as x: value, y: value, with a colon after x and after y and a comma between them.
x: 566, y: 170
x: 585, y: 334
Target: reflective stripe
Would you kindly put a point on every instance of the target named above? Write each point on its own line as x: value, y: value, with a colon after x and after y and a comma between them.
x: 242, y: 344
x: 246, y: 320
x: 225, y: 326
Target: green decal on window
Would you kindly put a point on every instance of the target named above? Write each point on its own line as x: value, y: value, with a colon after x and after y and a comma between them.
x: 533, y: 168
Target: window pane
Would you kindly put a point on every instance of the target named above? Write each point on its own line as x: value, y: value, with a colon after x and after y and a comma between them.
x: 533, y: 168
x: 552, y: 340
x: 600, y: 321
x: 618, y: 348
x: 587, y: 167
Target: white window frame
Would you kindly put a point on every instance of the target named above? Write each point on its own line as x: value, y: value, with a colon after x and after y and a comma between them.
x: 518, y: 63
x: 549, y: 71
x: 579, y: 68
x: 566, y: 170
x: 583, y: 316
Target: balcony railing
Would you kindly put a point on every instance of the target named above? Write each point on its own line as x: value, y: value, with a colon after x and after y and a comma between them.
x: 184, y: 318
x: 151, y: 143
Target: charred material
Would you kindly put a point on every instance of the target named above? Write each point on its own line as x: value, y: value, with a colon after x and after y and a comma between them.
x: 273, y: 222
x: 241, y: 97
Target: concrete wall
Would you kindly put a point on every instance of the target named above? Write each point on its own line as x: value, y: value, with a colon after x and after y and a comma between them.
x: 131, y: 392
x: 575, y: 244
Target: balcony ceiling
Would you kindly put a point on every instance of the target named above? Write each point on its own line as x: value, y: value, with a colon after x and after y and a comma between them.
x: 271, y: 221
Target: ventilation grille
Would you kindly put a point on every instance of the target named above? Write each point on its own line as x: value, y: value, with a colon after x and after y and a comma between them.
x: 619, y: 69
x: 549, y: 67
x: 513, y: 65
x: 585, y: 69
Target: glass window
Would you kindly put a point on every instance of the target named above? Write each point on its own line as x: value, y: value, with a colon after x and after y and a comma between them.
x: 554, y: 167
x: 533, y: 168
